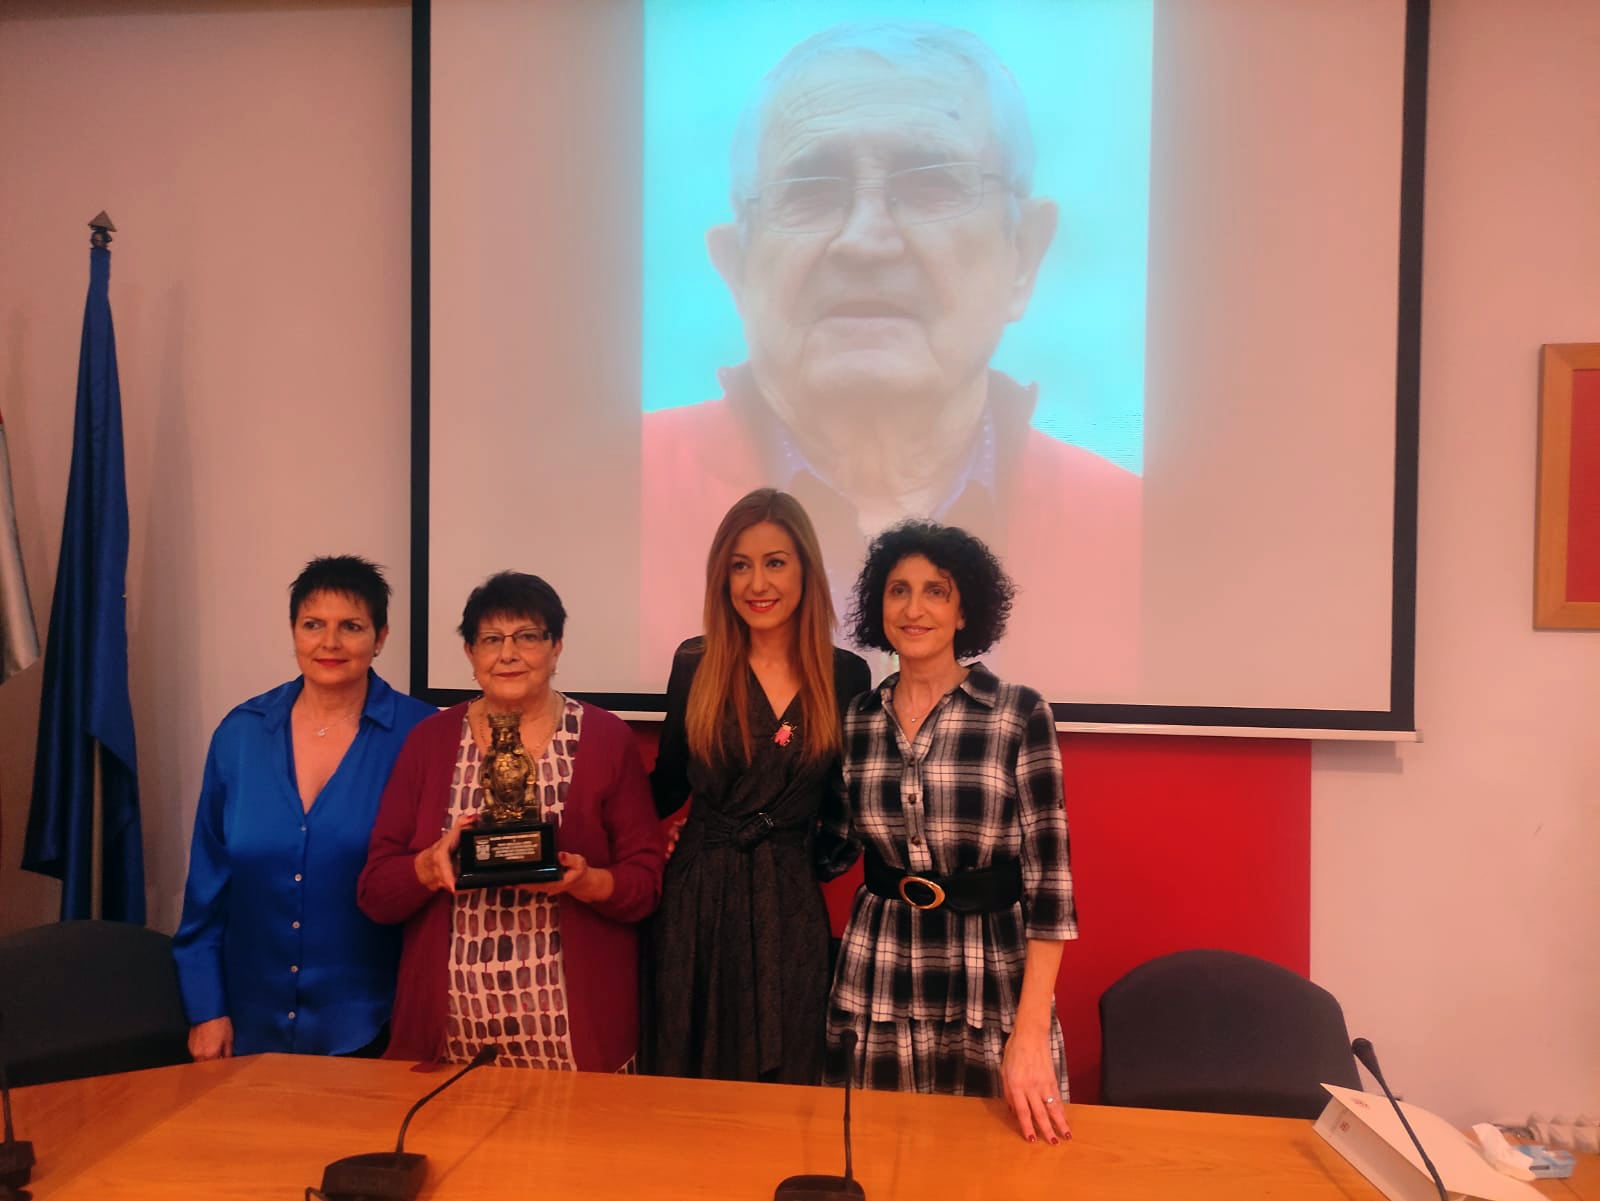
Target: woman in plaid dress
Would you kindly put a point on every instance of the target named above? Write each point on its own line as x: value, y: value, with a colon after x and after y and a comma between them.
x: 953, y: 790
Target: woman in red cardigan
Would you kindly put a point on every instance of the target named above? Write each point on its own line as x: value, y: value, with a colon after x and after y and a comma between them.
x: 546, y: 971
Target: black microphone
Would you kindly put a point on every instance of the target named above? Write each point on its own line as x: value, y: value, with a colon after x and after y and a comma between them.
x: 1363, y: 1051
x: 16, y: 1158
x: 390, y: 1175
x: 829, y: 1188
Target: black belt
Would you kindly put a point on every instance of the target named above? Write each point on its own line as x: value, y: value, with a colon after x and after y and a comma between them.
x: 981, y: 890
x: 748, y: 833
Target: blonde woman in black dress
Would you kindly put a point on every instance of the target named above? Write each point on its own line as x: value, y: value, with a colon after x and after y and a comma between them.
x: 751, y: 739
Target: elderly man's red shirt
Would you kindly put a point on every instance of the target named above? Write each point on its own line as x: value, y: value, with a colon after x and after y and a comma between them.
x: 1064, y: 521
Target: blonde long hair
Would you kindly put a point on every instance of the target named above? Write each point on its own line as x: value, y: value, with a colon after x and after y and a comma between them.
x: 723, y: 677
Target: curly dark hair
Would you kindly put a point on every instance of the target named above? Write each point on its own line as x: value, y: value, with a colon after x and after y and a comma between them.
x: 982, y: 585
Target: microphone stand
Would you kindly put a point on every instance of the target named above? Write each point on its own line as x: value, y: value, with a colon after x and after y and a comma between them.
x: 16, y: 1157
x: 1362, y: 1050
x: 829, y: 1188
x: 388, y: 1175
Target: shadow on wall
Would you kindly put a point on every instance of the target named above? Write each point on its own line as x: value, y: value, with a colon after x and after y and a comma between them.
x: 164, y: 656
x: 1357, y: 758
x: 26, y: 898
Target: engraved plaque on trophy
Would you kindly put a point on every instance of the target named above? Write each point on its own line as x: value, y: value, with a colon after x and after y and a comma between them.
x: 508, y: 844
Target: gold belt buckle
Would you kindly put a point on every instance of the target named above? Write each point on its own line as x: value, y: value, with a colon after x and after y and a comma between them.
x: 934, y: 889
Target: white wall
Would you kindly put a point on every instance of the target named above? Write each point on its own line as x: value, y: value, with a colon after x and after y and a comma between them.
x: 1456, y: 883
x: 257, y: 158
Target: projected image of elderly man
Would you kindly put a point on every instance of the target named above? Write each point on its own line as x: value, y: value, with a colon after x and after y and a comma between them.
x: 884, y: 235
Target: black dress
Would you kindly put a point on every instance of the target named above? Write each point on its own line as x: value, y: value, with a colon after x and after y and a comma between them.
x: 740, y: 943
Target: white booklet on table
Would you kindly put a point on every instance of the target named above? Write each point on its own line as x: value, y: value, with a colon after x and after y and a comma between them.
x: 1364, y: 1129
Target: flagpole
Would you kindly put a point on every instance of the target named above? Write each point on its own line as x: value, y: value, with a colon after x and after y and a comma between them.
x: 100, y: 236
x: 97, y: 851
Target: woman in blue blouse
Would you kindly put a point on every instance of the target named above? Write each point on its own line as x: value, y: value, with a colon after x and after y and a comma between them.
x: 273, y: 954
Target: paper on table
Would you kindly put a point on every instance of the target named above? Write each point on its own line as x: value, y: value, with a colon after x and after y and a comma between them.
x: 1460, y: 1165
x: 1505, y: 1158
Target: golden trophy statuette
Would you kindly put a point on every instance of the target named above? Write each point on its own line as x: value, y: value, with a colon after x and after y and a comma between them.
x: 509, y: 844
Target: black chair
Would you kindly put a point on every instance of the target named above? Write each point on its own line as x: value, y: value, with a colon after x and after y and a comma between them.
x: 1222, y: 1032
x: 86, y: 999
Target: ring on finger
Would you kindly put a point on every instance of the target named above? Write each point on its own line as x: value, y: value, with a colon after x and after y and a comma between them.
x: 1049, y: 1100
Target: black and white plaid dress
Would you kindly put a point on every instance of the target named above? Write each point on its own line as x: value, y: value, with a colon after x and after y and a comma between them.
x: 932, y: 995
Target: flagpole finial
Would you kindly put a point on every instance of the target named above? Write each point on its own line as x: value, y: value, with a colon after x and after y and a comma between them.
x: 103, y: 229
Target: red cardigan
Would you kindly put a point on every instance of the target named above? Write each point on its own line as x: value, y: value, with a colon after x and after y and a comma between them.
x: 608, y: 818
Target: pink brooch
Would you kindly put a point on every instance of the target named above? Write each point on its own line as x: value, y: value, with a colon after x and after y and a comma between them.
x: 784, y: 734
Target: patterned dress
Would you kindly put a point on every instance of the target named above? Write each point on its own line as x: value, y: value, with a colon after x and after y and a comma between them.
x: 932, y: 995
x: 505, y: 969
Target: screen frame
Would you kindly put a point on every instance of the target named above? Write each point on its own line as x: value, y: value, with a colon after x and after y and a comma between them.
x: 1400, y: 716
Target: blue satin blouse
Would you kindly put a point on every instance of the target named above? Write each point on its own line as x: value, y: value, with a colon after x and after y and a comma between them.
x: 271, y: 936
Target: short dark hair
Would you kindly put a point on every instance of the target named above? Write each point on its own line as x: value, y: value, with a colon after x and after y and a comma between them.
x: 513, y: 594
x: 349, y: 575
x: 984, y: 589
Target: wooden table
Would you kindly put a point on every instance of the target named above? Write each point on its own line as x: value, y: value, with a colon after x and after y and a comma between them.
x: 264, y: 1126
x: 1584, y: 1183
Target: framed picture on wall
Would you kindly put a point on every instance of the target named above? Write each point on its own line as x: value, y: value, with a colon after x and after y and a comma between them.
x: 1566, y: 575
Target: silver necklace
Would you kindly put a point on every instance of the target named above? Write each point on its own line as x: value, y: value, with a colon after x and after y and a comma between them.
x: 478, y: 717
x: 322, y: 731
x: 916, y: 718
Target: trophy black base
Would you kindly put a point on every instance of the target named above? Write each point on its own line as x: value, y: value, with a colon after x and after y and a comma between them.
x: 506, y: 853
x: 505, y: 879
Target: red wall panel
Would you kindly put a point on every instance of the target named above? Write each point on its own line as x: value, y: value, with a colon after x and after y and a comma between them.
x: 1179, y: 843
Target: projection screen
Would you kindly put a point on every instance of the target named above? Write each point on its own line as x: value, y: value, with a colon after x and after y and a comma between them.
x: 1129, y: 288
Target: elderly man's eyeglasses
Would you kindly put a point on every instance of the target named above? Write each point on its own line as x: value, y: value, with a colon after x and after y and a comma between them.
x: 523, y: 640
x: 915, y: 196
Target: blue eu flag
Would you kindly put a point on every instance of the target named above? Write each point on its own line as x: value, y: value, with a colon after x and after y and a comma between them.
x: 85, y: 710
